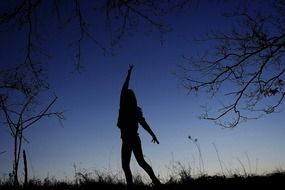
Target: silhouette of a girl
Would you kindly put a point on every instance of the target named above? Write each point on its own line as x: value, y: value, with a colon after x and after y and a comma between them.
x: 130, y: 115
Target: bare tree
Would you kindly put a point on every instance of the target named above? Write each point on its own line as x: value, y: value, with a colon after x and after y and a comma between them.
x: 21, y: 88
x: 245, y: 70
x: 20, y: 107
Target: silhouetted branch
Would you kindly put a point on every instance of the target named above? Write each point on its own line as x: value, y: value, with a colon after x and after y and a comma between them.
x: 127, y: 16
x: 23, y: 15
x: 8, y: 119
x: 83, y: 29
x: 44, y: 113
x: 247, y: 65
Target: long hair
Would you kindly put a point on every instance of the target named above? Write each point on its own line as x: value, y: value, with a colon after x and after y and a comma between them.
x: 128, y: 108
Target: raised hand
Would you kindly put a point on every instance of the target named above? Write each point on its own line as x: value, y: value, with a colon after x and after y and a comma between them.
x: 131, y: 66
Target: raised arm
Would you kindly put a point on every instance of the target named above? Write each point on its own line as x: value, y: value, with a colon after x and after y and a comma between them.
x: 126, y: 83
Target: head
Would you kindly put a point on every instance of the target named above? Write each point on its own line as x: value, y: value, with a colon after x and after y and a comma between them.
x: 130, y: 100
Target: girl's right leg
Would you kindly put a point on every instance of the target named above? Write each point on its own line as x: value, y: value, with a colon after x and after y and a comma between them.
x: 126, y: 153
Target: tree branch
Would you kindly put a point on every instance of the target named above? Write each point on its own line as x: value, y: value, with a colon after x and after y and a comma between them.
x: 44, y: 113
x: 249, y: 62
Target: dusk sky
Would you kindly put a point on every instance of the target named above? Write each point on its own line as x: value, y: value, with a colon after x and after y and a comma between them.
x: 89, y: 137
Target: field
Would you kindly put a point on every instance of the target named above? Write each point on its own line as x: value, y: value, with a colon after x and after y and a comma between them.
x: 183, y: 181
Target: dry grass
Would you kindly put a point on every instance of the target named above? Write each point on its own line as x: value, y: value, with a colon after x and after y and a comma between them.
x: 181, y: 179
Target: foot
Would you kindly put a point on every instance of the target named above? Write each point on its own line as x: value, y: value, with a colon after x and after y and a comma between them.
x: 156, y: 183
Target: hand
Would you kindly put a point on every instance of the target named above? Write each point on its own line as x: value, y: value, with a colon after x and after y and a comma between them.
x: 131, y: 66
x: 154, y: 139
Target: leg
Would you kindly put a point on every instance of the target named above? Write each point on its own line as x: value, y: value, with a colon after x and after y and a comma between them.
x: 137, y: 148
x: 126, y: 153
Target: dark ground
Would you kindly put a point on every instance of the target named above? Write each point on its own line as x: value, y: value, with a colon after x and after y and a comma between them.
x: 270, y: 181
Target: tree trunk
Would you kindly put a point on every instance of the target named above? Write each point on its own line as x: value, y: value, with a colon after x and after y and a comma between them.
x: 17, y: 152
x: 16, y: 162
x: 25, y: 168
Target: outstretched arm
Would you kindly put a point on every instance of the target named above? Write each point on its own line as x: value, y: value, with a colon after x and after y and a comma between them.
x: 148, y: 129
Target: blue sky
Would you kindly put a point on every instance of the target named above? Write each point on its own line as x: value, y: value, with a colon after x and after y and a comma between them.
x: 89, y: 137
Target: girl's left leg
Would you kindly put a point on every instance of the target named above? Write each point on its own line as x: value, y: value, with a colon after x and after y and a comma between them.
x: 137, y: 149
